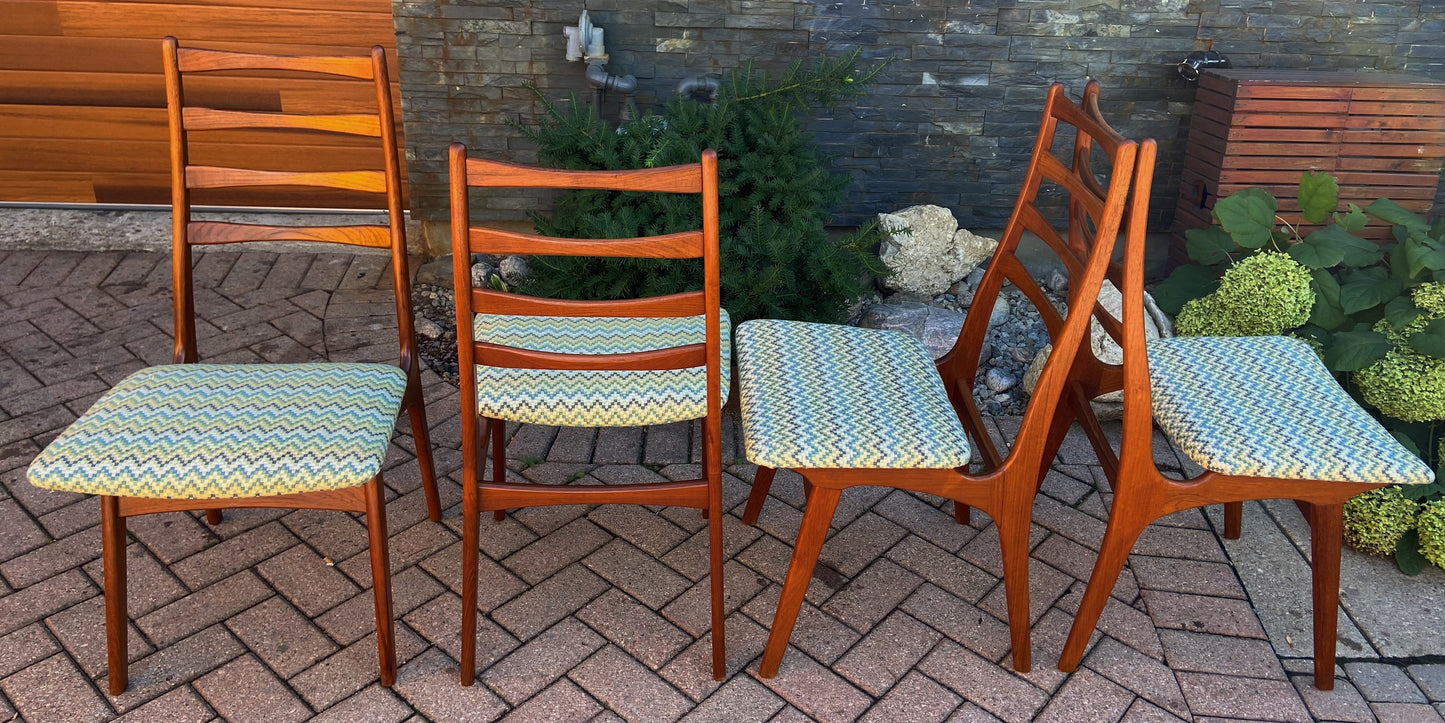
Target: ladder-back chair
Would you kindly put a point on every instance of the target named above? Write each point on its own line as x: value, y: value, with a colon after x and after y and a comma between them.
x: 845, y: 406
x: 587, y: 363
x: 312, y: 435
x: 1262, y: 416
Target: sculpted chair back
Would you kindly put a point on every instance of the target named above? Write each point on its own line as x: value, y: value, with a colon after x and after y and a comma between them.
x: 1262, y: 416
x: 871, y: 407
x: 624, y: 363
x: 311, y: 435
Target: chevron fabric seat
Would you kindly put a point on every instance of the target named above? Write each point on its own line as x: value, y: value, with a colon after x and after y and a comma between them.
x: 596, y: 398
x: 1266, y: 406
x: 215, y: 431
x: 822, y: 395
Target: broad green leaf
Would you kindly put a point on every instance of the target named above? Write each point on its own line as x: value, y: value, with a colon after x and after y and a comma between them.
x: 1352, y: 220
x: 1437, y: 229
x: 1400, y: 265
x: 1366, y: 289
x: 1430, y: 341
x: 1351, y: 351
x: 1408, y: 443
x: 1422, y: 252
x: 1319, y: 194
x: 1188, y: 282
x: 1419, y: 492
x: 1407, y: 554
x: 1401, y: 311
x: 1248, y: 216
x: 1318, y: 250
x: 1393, y: 213
x: 1326, y: 311
x: 1208, y: 246
x: 1357, y: 251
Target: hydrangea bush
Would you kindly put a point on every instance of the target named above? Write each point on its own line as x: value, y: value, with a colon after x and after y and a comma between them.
x: 1374, y: 312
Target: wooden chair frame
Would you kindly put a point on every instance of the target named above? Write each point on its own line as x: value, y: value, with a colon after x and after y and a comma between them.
x: 369, y: 498
x: 1006, y: 491
x: 1142, y: 494
x: 497, y: 494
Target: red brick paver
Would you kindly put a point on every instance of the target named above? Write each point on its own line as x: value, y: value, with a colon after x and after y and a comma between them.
x: 587, y: 613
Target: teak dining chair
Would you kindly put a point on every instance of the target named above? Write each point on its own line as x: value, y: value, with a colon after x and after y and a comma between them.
x: 846, y: 406
x: 621, y: 363
x: 1262, y: 416
x: 188, y: 435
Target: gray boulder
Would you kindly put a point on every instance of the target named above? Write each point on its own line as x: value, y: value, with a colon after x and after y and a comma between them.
x: 936, y: 328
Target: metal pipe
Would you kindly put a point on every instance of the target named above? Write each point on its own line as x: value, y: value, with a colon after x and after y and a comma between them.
x: 689, y: 87
x: 599, y: 78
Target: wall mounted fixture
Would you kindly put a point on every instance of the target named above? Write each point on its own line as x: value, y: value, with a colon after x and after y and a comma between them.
x: 1199, y: 60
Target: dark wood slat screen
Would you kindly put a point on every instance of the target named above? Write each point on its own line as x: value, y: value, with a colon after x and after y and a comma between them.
x: 83, y: 97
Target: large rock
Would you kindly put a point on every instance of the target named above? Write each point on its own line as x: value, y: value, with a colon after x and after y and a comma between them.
x: 936, y: 328
x: 1156, y: 324
x: 975, y: 250
x: 920, y: 250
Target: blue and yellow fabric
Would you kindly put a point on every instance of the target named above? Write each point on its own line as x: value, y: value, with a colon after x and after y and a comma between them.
x: 822, y: 395
x: 596, y: 398
x: 1266, y: 406
x: 213, y: 431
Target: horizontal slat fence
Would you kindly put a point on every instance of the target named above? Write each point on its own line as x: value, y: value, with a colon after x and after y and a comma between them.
x: 1379, y: 134
x: 82, y: 97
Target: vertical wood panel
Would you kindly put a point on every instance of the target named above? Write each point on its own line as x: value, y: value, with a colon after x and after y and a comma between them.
x: 87, y: 75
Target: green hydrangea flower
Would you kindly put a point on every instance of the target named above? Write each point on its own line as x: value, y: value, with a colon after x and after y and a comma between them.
x: 1260, y: 296
x: 1431, y: 298
x: 1376, y: 520
x: 1432, y: 532
x: 1405, y: 384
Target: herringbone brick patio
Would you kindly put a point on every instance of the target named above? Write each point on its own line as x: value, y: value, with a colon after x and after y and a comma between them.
x: 588, y: 613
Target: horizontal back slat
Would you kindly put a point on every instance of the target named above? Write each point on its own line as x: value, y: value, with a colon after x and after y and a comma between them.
x: 216, y: 232
x: 201, y: 119
x: 192, y: 60
x: 679, y: 357
x: 683, y: 245
x: 688, y: 303
x: 671, y: 179
x: 218, y: 177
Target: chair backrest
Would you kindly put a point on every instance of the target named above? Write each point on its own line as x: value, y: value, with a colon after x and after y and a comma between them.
x: 695, y: 178
x: 381, y: 125
x: 1084, y: 245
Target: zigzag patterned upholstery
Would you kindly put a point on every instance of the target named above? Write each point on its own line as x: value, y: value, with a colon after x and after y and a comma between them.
x: 214, y: 431
x: 596, y: 398
x: 1266, y: 406
x: 823, y: 395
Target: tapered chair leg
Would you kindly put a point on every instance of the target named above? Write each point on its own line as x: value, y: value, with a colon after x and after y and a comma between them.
x: 499, y: 458
x: 213, y: 517
x: 471, y: 521
x: 1326, y: 522
x: 422, y: 437
x: 715, y: 569
x: 1124, y: 528
x: 962, y: 513
x: 112, y: 546
x: 381, y: 579
x: 1233, y: 520
x: 1013, y: 540
x: 762, y: 482
x: 821, y: 505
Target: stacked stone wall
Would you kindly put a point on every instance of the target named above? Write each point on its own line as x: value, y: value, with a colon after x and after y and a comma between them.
x: 950, y: 122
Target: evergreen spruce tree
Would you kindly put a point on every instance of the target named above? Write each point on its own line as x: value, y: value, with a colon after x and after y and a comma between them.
x: 775, y: 196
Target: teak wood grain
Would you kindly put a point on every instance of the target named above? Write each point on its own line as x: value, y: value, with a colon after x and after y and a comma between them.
x: 1007, y: 487
x: 497, y: 495
x: 81, y: 60
x: 368, y: 498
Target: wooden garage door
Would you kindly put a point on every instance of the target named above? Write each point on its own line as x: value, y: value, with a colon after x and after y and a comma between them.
x: 82, y: 98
